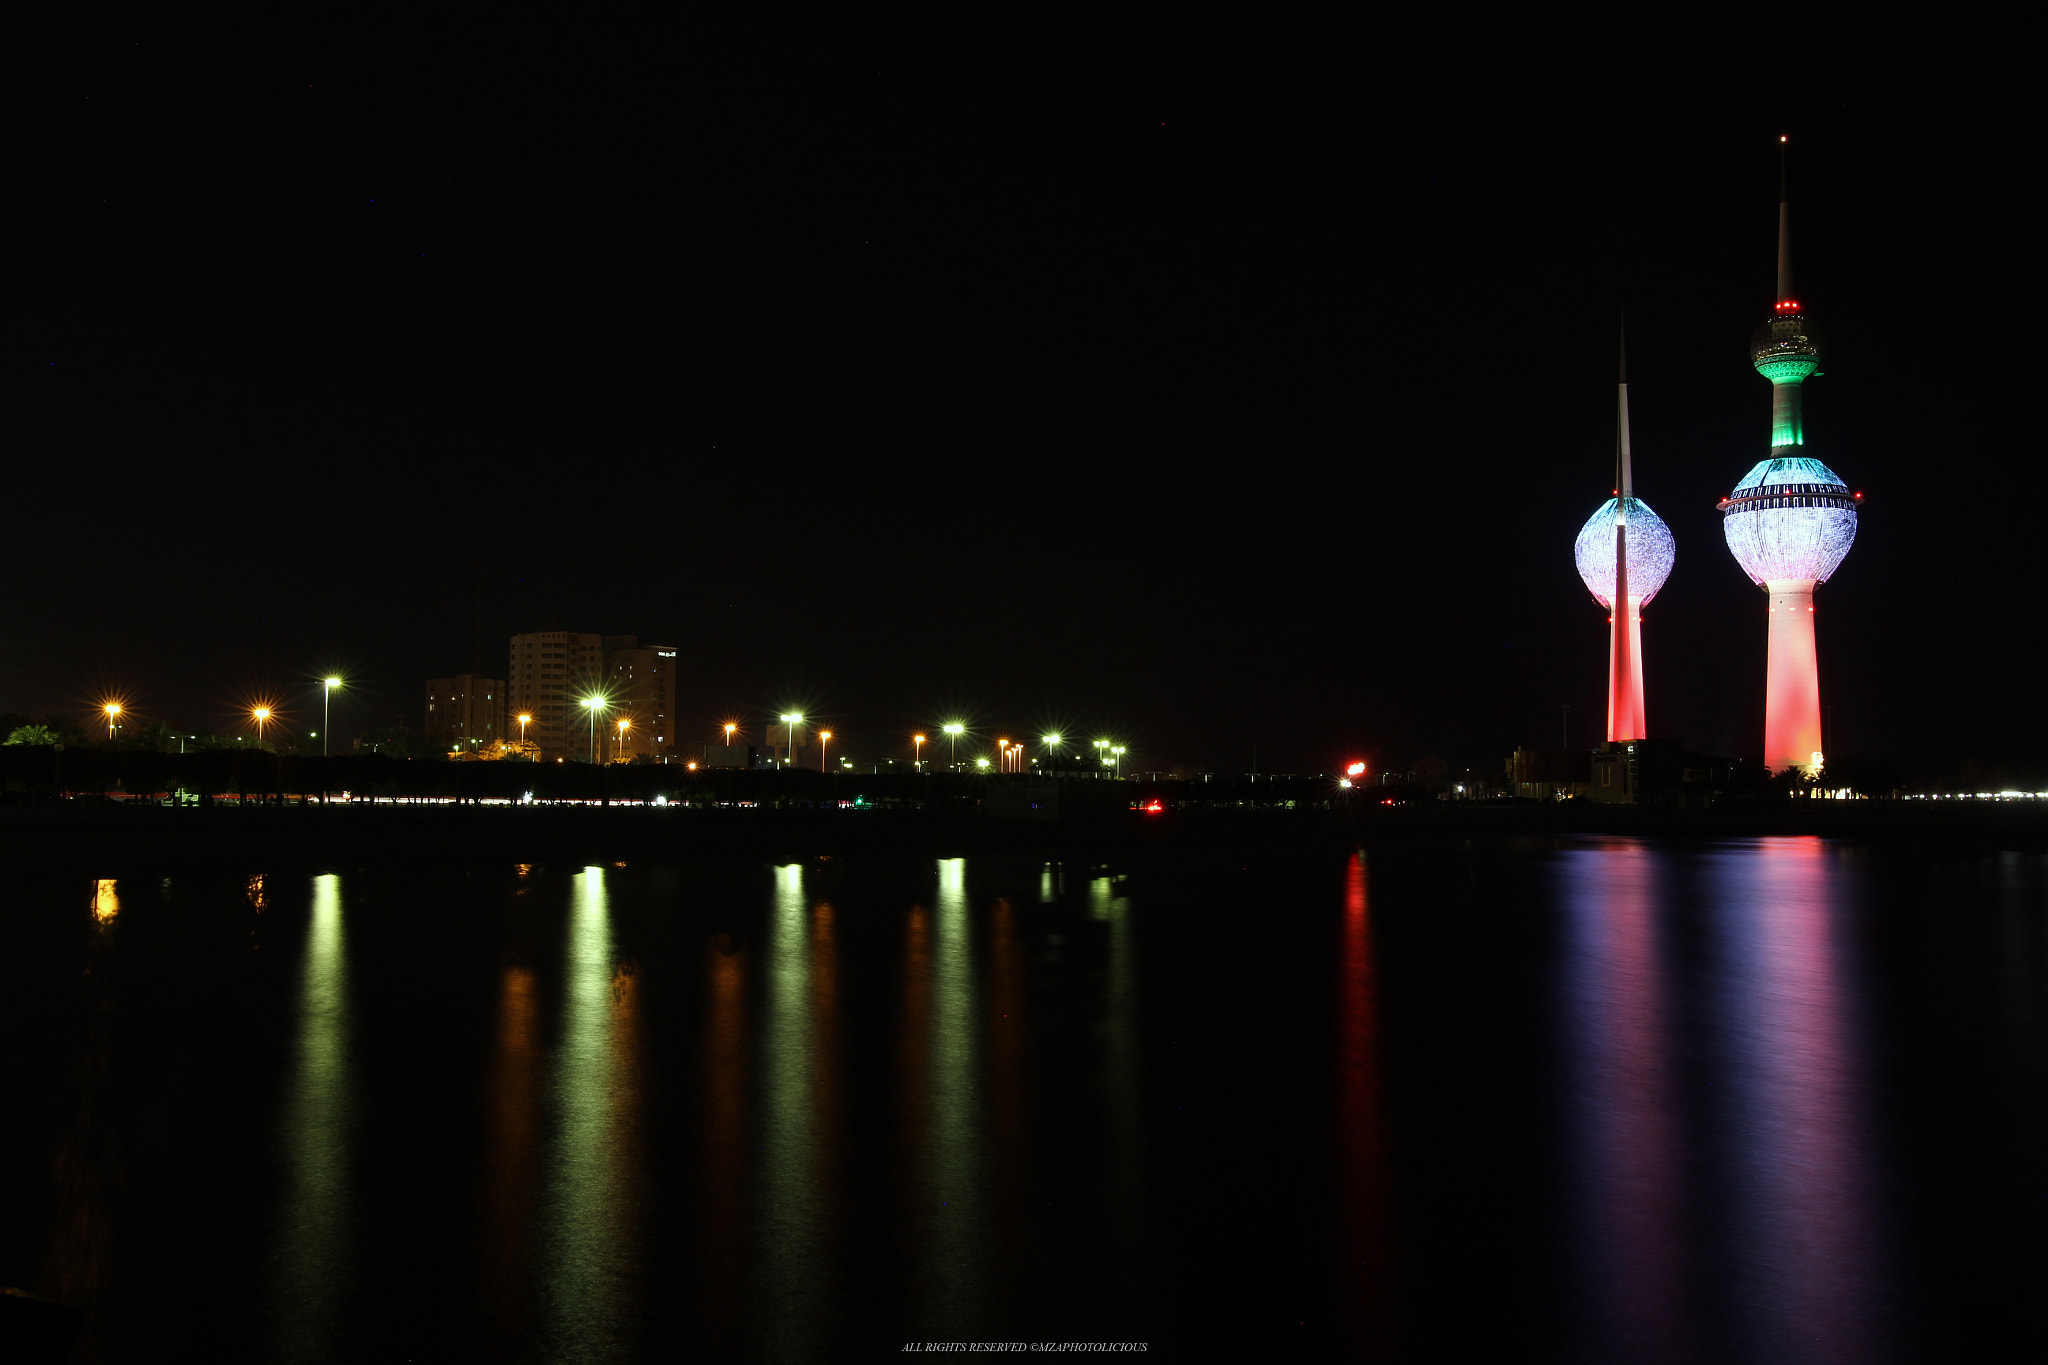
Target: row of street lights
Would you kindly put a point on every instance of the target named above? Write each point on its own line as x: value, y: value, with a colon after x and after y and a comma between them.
x: 262, y: 715
x: 1011, y: 755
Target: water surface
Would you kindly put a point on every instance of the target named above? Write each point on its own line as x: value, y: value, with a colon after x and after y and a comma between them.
x: 1771, y: 1100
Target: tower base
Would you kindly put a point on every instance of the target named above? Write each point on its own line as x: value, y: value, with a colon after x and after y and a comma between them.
x: 1792, y: 680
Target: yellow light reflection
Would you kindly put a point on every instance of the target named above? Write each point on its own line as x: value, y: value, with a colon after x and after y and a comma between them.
x: 318, y: 1222
x: 593, y: 1228
x: 792, y: 1229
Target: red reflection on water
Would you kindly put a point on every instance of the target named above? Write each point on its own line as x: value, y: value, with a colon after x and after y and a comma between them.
x: 828, y: 1067
x: 1008, y: 1123
x: 511, y: 1166
x: 1804, y: 1215
x: 1623, y: 1125
x: 721, y: 1257
x: 1365, y: 1190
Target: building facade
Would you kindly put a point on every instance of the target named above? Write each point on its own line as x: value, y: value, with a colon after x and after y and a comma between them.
x: 554, y: 674
x: 465, y: 712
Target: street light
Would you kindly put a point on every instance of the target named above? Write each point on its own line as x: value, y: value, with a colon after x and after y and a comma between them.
x: 824, y: 743
x: 262, y: 716
x: 113, y: 710
x: 591, y: 704
x: 524, y: 721
x: 327, y: 686
x: 624, y: 725
x: 1118, y: 750
x: 917, y: 752
x: 953, y: 733
x: 981, y: 763
x: 790, y: 720
x: 1003, y: 749
x: 729, y: 728
x: 1052, y: 742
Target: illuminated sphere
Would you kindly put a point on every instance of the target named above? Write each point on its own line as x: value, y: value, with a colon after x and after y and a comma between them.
x: 1786, y: 349
x: 1790, y: 517
x: 1650, y: 551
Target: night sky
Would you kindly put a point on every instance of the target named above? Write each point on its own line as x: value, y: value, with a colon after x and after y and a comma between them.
x: 1254, y: 406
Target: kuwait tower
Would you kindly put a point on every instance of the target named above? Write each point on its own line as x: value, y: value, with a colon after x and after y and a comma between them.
x: 1789, y: 522
x: 1624, y: 553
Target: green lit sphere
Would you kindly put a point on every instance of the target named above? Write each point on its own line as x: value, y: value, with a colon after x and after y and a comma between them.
x: 1786, y: 349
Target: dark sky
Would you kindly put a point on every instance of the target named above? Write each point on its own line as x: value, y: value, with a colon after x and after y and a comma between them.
x: 1259, y: 406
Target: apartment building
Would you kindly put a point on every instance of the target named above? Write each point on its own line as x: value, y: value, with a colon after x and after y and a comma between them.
x: 465, y: 711
x: 555, y: 673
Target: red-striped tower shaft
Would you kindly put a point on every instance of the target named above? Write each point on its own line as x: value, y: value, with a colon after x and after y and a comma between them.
x: 1625, y: 619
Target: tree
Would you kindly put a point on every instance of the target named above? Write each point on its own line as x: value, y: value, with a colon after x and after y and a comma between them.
x: 35, y: 734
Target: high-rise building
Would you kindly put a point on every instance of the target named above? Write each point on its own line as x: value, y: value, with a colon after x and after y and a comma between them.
x: 465, y: 712
x: 1624, y: 554
x: 1790, y: 522
x: 556, y: 674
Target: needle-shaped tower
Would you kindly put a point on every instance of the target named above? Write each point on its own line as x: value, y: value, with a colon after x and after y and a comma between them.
x: 1624, y: 552
x: 1790, y: 522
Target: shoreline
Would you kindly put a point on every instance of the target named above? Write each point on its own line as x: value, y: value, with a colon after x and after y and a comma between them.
x: 60, y: 835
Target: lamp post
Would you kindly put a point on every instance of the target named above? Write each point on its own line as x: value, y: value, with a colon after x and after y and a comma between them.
x: 1003, y: 752
x: 1118, y: 750
x: 620, y: 748
x: 327, y: 686
x: 917, y: 752
x: 729, y: 728
x: 824, y: 743
x: 261, y: 715
x: 524, y: 720
x: 1052, y: 742
x: 113, y: 710
x: 953, y: 733
x: 790, y: 720
x: 591, y: 704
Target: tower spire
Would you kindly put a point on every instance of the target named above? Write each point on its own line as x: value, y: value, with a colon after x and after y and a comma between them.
x: 1785, y: 294
x: 1624, y: 475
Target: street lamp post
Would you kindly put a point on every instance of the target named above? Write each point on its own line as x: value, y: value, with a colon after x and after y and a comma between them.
x: 620, y: 748
x: 1052, y: 742
x: 113, y: 710
x: 824, y: 743
x: 261, y: 715
x: 524, y: 721
x: 953, y: 733
x: 591, y: 704
x: 327, y: 686
x: 917, y: 752
x: 729, y: 728
x: 790, y: 720
x: 1118, y: 750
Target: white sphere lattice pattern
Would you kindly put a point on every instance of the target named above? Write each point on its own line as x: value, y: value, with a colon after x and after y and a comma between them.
x: 1790, y: 518
x: 1650, y: 551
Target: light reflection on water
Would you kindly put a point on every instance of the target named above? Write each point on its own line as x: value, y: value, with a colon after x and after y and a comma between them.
x: 317, y: 1227
x: 957, y: 1102
x: 951, y: 1190
x: 590, y: 1204
x: 1365, y: 1265
x: 1799, y: 1197
x: 791, y: 1223
x: 1764, y: 1104
x: 1627, y: 1162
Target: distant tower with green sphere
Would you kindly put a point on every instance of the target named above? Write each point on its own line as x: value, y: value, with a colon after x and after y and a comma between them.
x: 1790, y: 522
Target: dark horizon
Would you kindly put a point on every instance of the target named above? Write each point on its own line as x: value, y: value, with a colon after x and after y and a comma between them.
x: 1212, y: 415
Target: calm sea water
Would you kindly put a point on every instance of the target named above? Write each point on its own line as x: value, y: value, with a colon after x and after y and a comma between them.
x: 1777, y: 1100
